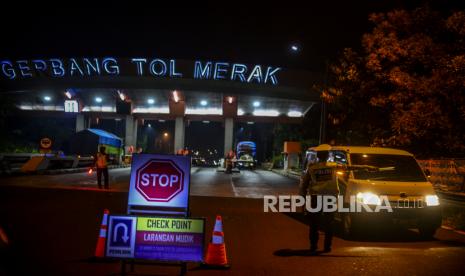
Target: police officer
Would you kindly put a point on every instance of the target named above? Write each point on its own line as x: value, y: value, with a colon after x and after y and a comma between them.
x: 319, y: 180
x: 101, y: 162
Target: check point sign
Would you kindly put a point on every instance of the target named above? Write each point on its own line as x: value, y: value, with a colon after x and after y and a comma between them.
x: 159, y: 186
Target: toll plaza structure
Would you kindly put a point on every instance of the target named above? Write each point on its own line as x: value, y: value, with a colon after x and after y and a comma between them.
x: 136, y: 90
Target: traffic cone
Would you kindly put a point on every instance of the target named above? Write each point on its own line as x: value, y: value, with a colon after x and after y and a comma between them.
x: 100, y: 248
x: 216, y: 251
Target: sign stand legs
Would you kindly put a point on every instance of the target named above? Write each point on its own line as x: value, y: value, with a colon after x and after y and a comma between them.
x: 123, y: 267
x: 183, y: 269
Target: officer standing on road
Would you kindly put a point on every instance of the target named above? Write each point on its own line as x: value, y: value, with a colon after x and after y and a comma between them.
x: 101, y: 162
x: 319, y: 180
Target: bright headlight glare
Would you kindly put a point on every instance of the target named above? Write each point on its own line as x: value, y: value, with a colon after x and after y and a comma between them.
x: 368, y: 198
x: 432, y: 200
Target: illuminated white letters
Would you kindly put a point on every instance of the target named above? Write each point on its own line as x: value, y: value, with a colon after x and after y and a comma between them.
x: 256, y: 74
x: 111, y: 66
x: 8, y: 70
x: 157, y: 67
x: 202, y: 72
x: 238, y: 70
x: 139, y: 62
x: 173, y: 72
x: 94, y: 66
x: 74, y: 66
x: 24, y: 68
x: 57, y: 67
x: 163, y: 180
x: 40, y: 65
x: 220, y: 70
x: 270, y: 75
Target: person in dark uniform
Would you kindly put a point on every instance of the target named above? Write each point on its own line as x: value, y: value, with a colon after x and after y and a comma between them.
x: 101, y: 162
x: 319, y: 180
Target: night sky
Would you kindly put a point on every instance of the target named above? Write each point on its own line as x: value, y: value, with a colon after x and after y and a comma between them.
x: 239, y: 32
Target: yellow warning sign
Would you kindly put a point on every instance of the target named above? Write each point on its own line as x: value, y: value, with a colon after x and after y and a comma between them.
x: 170, y: 225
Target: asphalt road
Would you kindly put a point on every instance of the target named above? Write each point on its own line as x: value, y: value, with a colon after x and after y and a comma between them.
x: 204, y: 182
x: 53, y: 231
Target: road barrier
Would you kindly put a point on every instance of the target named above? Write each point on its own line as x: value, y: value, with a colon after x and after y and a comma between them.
x: 216, y: 252
x: 100, y: 248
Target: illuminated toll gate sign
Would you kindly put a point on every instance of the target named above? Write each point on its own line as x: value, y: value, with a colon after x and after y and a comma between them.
x: 156, y: 238
x: 56, y: 68
x: 159, y: 181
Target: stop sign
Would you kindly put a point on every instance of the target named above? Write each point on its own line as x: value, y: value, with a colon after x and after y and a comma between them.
x: 159, y: 180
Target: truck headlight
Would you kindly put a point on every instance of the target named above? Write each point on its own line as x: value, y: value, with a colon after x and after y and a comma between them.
x: 432, y: 200
x: 368, y: 198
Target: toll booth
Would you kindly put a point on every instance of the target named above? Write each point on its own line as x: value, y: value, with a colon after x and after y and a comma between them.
x: 291, y: 154
x: 88, y: 141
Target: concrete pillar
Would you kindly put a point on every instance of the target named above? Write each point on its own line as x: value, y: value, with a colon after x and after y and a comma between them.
x: 134, y: 134
x: 80, y: 122
x: 179, y: 134
x: 129, y: 131
x: 228, y: 134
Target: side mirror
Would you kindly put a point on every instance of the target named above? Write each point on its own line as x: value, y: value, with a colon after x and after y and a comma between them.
x: 427, y: 173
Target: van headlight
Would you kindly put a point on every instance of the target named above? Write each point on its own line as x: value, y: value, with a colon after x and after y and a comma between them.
x: 432, y: 200
x: 368, y: 198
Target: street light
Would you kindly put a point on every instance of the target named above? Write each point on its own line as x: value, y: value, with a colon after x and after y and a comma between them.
x: 165, y: 134
x: 121, y: 95
x: 203, y: 102
x: 47, y: 98
x: 256, y: 104
x: 150, y: 101
x: 98, y: 99
x: 68, y: 94
x: 175, y: 96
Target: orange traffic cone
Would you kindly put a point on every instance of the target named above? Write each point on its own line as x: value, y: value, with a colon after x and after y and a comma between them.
x: 216, y: 252
x: 100, y: 248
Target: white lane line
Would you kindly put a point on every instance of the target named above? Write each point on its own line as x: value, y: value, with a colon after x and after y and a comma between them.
x: 236, y: 194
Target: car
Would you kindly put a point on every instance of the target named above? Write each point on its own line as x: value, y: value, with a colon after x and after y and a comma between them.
x: 371, y: 172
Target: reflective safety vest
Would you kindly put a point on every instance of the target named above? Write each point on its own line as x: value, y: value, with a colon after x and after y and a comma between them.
x: 101, y: 160
x: 321, y: 179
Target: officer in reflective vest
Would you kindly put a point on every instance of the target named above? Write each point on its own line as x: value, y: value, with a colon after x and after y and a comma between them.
x: 320, y: 180
x: 101, y: 162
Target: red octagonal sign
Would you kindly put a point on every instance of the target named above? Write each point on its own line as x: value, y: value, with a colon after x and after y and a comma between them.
x: 159, y: 180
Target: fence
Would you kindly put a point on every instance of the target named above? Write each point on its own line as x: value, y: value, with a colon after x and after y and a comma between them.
x: 446, y: 174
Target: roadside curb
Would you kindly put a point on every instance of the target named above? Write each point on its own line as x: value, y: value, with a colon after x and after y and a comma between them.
x: 450, y: 195
x: 289, y: 174
x: 460, y: 232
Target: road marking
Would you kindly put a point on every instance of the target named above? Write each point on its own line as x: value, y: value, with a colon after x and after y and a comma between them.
x: 232, y: 185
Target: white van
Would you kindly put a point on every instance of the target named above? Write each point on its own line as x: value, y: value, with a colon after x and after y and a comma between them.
x: 371, y: 172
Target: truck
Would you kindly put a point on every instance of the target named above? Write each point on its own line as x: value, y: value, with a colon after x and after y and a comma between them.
x: 246, y: 152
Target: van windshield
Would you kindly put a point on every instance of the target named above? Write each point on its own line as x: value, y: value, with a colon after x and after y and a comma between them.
x: 388, y: 167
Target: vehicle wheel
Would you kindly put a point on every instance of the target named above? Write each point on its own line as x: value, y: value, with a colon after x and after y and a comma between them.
x: 427, y: 231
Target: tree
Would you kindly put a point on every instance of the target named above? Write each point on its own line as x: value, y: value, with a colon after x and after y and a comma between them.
x: 406, y: 87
